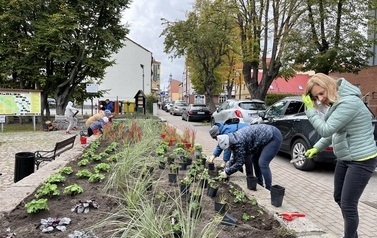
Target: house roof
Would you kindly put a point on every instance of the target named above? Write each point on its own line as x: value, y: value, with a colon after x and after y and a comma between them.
x: 295, y: 85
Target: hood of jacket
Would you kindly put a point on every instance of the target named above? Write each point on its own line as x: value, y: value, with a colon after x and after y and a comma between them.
x: 345, y: 88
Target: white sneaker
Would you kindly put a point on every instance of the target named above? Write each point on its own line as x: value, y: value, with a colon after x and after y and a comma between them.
x: 223, y: 164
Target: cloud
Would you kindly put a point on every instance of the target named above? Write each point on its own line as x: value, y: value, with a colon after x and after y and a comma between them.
x: 144, y: 18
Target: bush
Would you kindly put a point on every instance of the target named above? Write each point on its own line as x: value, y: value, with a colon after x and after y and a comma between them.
x: 150, y: 99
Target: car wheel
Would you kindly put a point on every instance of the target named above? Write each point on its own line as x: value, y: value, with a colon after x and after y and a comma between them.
x: 299, y: 147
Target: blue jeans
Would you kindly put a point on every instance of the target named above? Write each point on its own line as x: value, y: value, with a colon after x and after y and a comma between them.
x: 262, y: 159
x: 350, y: 180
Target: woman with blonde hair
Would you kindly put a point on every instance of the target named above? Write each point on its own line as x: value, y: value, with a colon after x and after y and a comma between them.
x: 346, y: 123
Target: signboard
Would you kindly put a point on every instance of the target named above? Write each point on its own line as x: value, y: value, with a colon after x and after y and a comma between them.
x: 2, y: 119
x: 20, y: 102
x: 91, y: 88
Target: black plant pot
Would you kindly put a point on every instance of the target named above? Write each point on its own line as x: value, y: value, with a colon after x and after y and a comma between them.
x: 183, y: 166
x: 196, y: 212
x: 203, y: 183
x: 188, y: 161
x: 162, y: 165
x: 211, y: 166
x: 185, y: 188
x: 211, y: 192
x: 170, y: 160
x: 229, y: 220
x: 220, y: 207
x: 252, y: 182
x: 172, y: 178
x: 204, y: 160
x: 277, y: 195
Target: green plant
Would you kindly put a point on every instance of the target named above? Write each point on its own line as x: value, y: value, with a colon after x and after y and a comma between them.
x: 174, y: 167
x: 113, y: 158
x: 47, y: 189
x: 55, y: 178
x: 73, y: 189
x: 97, y: 158
x: 83, y: 162
x: 179, y: 145
x: 180, y: 151
x: 186, y: 180
x: 239, y: 195
x: 111, y: 148
x: 198, y: 147
x: 97, y: 177
x: 223, y: 199
x: 35, y: 206
x: 103, y: 154
x: 66, y: 170
x: 102, y: 167
x: 245, y: 216
x: 83, y: 173
x: 160, y: 151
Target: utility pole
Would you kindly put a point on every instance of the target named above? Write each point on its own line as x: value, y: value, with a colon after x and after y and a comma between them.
x: 142, y: 66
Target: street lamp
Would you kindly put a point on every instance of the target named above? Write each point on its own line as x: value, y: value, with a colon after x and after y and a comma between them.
x: 142, y: 66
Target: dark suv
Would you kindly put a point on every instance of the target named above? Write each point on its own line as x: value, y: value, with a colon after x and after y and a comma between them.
x: 288, y: 115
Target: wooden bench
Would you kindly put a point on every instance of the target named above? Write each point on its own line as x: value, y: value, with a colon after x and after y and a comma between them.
x: 60, y: 147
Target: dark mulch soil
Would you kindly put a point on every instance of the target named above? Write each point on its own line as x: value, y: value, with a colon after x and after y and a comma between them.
x: 21, y: 224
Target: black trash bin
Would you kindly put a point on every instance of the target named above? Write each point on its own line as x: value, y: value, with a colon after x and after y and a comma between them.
x: 24, y: 165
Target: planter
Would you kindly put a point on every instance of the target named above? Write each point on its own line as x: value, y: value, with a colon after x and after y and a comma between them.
x: 185, y: 188
x: 229, y: 220
x: 162, y: 165
x: 172, y: 178
x: 196, y: 212
x: 211, y: 192
x: 203, y: 183
x: 211, y: 166
x: 183, y: 166
x: 252, y: 182
x: 277, y: 194
x: 188, y: 161
x: 220, y: 207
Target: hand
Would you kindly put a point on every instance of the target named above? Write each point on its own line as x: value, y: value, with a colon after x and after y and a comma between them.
x: 307, y: 101
x: 223, y: 175
x: 211, y: 159
x: 310, y: 153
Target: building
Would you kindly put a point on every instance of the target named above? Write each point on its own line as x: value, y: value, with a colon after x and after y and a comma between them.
x: 131, y: 72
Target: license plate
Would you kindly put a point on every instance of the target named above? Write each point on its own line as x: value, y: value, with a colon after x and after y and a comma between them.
x: 200, y: 112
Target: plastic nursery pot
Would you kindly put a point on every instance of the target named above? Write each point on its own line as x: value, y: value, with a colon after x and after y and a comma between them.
x: 188, y: 161
x: 229, y: 220
x: 211, y: 192
x: 172, y: 178
x: 183, y: 166
x: 204, y: 161
x: 211, y: 166
x: 170, y: 160
x: 220, y: 207
x: 277, y: 194
x: 252, y: 182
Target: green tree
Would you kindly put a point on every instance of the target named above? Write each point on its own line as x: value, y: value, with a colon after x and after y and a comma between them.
x: 58, y: 45
x: 203, y: 40
x: 332, y: 36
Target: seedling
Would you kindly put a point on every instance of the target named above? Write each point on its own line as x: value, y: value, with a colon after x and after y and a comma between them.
x: 113, y: 158
x: 83, y: 173
x: 102, y: 167
x: 73, y: 189
x: 47, y: 189
x: 66, y: 170
x: 55, y: 178
x: 97, y: 158
x: 245, y: 216
x: 83, y: 162
x: 95, y: 178
x: 35, y: 206
x: 111, y: 148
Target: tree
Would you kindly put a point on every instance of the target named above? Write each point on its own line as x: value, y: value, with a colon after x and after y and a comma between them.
x: 59, y: 44
x: 333, y: 36
x: 264, y: 27
x: 203, y: 40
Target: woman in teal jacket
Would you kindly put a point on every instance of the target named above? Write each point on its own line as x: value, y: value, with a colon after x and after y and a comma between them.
x: 347, y: 125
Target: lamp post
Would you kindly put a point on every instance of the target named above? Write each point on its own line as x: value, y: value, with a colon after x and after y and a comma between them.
x: 142, y: 67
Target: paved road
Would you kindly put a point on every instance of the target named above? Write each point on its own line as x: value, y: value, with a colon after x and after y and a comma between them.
x: 308, y: 192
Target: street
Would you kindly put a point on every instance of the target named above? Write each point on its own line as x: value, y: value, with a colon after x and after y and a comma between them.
x: 308, y: 191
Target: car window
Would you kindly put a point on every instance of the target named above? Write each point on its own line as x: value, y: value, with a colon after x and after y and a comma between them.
x: 181, y: 104
x: 252, y: 106
x: 277, y: 108
x: 294, y: 107
x: 225, y: 105
x: 199, y: 106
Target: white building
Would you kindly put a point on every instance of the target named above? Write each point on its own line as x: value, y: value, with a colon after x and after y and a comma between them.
x: 131, y: 72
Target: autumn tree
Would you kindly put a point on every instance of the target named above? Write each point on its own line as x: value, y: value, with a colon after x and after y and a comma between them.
x: 332, y: 36
x: 203, y: 39
x: 57, y: 45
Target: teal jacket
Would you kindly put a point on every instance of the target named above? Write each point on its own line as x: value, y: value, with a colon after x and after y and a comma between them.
x: 347, y: 125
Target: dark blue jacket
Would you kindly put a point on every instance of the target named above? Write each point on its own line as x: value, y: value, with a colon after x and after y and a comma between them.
x: 225, y: 129
x: 246, y: 141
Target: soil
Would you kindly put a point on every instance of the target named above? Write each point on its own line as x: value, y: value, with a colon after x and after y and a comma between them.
x: 19, y: 223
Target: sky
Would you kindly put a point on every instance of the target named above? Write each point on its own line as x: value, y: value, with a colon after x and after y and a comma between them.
x: 144, y: 18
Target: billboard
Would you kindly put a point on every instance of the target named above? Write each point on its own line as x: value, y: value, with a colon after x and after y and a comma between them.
x: 20, y: 102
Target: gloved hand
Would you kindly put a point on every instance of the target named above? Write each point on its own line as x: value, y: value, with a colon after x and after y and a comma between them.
x: 307, y: 101
x: 223, y: 175
x: 310, y: 153
x: 211, y: 159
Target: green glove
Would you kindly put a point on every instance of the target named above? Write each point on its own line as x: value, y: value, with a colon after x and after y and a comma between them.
x: 310, y: 153
x: 307, y: 101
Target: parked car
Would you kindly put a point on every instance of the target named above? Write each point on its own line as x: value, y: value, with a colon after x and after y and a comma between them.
x: 288, y: 115
x: 233, y: 108
x: 196, y: 112
x: 167, y: 106
x: 177, y: 107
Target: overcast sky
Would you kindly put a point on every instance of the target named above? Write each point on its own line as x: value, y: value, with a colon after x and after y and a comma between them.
x: 144, y: 18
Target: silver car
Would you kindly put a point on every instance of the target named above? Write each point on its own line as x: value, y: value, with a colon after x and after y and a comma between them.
x: 177, y: 107
x: 244, y: 109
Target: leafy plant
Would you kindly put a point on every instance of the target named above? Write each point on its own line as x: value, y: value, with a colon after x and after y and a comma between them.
x: 111, y: 148
x: 55, y: 178
x: 174, y: 167
x: 66, y: 170
x: 198, y: 147
x: 73, y: 189
x: 102, y: 167
x: 160, y: 151
x: 113, y: 158
x: 35, y: 206
x: 97, y: 177
x: 180, y: 150
x: 83, y: 173
x: 245, y: 216
x: 83, y: 162
x: 223, y: 199
x: 239, y: 195
x: 47, y: 189
x: 179, y: 145
x: 103, y: 154
x: 97, y: 158
x: 186, y: 180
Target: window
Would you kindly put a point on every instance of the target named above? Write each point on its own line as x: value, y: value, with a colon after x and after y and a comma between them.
x: 294, y: 107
